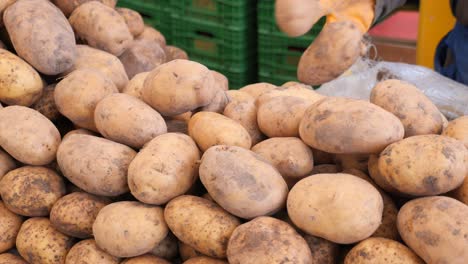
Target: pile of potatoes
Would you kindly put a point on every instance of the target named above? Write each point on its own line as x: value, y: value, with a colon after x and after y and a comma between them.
x: 115, y: 148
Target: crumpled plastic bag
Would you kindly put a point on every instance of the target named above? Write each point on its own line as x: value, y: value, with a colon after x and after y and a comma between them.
x: 449, y: 96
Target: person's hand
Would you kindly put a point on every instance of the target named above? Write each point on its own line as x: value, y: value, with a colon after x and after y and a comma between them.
x: 338, y: 45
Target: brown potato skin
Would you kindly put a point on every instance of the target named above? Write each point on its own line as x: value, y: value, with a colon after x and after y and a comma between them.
x: 461, y: 193
x: 175, y: 53
x: 51, y: 47
x: 376, y: 175
x: 96, y: 165
x: 101, y: 27
x: 201, y: 224
x: 124, y: 236
x: 218, y: 103
x: 404, y: 165
x: 86, y: 251
x: 67, y: 6
x: 187, y: 252
x: 263, y: 240
x: 341, y: 125
x: 323, y: 251
x: 74, y: 214
x: 204, y: 260
x: 152, y: 34
x: 7, y: 163
x: 416, y: 112
x: 133, y: 20
x: 209, y: 129
x: 177, y: 126
x: 458, y: 129
x: 145, y: 259
x: 292, y: 89
x: 125, y: 119
x: 3, y: 6
x: 142, y: 56
x: 221, y: 80
x: 333, y: 215
x: 79, y: 131
x: 39, y: 242
x: 155, y: 177
x: 381, y: 250
x: 353, y: 161
x: 28, y: 136
x: 257, y: 89
x: 46, y: 104
x: 168, y: 248
x: 237, y: 95
x: 242, y: 182
x: 10, y: 224
x: 135, y: 85
x: 322, y: 157
x: 8, y: 258
x: 325, y: 168
x: 435, y: 228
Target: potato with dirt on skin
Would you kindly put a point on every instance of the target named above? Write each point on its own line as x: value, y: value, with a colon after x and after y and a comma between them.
x: 7, y: 163
x: 294, y: 89
x: 205, y: 260
x: 435, y: 228
x: 133, y: 20
x: 86, y: 251
x: 142, y: 56
x: 7, y: 258
x: 67, y: 6
x: 381, y: 250
x: 267, y: 240
x: 167, y: 248
x: 145, y: 259
x: 323, y: 251
x: 127, y: 120
x: 150, y: 33
x: 218, y: 103
x: 77, y: 95
x: 135, y: 85
x: 80, y: 131
x: 175, y: 53
x: 177, y: 126
x: 257, y: 89
x: 209, y: 129
x: 129, y: 229
x: 165, y: 168
x: 458, y: 129
x: 187, y: 252
x: 21, y: 84
x: 348, y: 126
x: 39, y: 242
x: 331, y: 216
x: 46, y: 104
x: 242, y: 182
x: 96, y: 165
x: 404, y: 165
x: 201, y: 224
x: 10, y: 224
x: 374, y: 173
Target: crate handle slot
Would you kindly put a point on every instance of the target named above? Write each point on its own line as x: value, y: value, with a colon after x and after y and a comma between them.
x: 296, y: 49
x: 204, y: 34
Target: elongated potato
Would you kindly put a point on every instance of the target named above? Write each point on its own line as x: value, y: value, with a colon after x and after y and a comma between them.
x: 10, y: 224
x: 142, y: 56
x: 205, y: 260
x: 209, y: 129
x: 145, y: 259
x: 133, y: 20
x: 175, y: 53
x: 347, y: 126
x: 67, y: 6
x: 41, y: 35
x: 135, y: 85
x: 152, y: 34
x: 458, y: 129
x: 164, y: 169
x: 257, y: 89
x: 8, y: 258
x: 86, y: 251
x: 46, y: 104
x: 96, y: 165
x: 242, y: 182
x: 436, y: 228
x: 21, y: 84
x: 28, y: 136
x: 101, y: 27
x: 168, y: 248
x: 7, y: 163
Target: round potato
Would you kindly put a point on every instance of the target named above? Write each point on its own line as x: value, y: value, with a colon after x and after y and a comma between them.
x: 31, y: 191
x: 142, y: 56
x: 330, y: 213
x: 46, y: 104
x: 8, y: 258
x: 381, y: 250
x: 242, y: 182
x: 135, y: 85
x: 292, y: 89
x: 221, y: 80
x: 204, y: 260
x: 74, y: 214
x: 67, y: 6
x: 257, y: 89
x: 133, y: 20
x: 165, y: 168
x: 187, y: 252
x: 96, y: 165
x: 209, y: 129
x: 323, y: 251
x: 436, y: 228
x: 101, y: 27
x: 152, y: 34
x: 175, y: 53
x: 201, y: 224
x: 167, y: 248
x: 39, y: 242
x: 179, y: 86
x: 146, y: 259
x: 404, y: 165
x: 49, y: 47
x: 416, y: 112
x: 349, y: 126
x: 7, y: 163
x: 458, y: 129
x: 125, y: 119
x: 267, y: 240
x: 10, y: 224
x: 128, y: 229
x: 86, y: 251
x: 78, y: 94
x: 219, y: 102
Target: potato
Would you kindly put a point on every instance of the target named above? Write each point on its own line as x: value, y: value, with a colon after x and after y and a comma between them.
x: 125, y: 119
x: 39, y: 242
x: 209, y: 129
x: 167, y: 248
x: 374, y: 173
x: 177, y: 126
x: 8, y: 258
x: 236, y: 95
x: 86, y: 251
x: 133, y: 20
x: 67, y: 6
x: 330, y: 213
x: 353, y: 161
x: 179, y: 86
x: 145, y: 259
x: 349, y: 126
x: 381, y: 250
x: 101, y: 27
x: 152, y: 34
x: 7, y: 163
x: 322, y: 157
x: 128, y: 229
x: 257, y: 89
x: 323, y: 251
x: 293, y: 89
x: 10, y: 224
x: 41, y: 35
x: 135, y: 85
x: 74, y: 214
x: 142, y: 56
x: 290, y: 156
x: 80, y: 131
x: 3, y: 6
x: 280, y: 116
x: 436, y: 228
x: 187, y: 252
x: 242, y: 182
x: 182, y: 117
x: 204, y: 260
x: 417, y: 113
x: 461, y: 193
x: 46, y: 104
x: 219, y: 102
x: 325, y: 168
x: 201, y: 224
x: 21, y: 84
x: 267, y: 240
x: 164, y: 169
x: 221, y: 80
x: 458, y: 129
x: 404, y: 165
x: 78, y: 94
x: 175, y: 53
x: 102, y: 62
x: 96, y: 165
